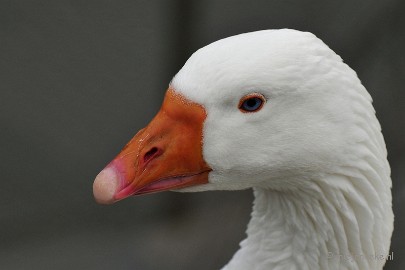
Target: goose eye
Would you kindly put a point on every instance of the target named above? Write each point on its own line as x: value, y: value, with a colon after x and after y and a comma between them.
x: 251, y: 103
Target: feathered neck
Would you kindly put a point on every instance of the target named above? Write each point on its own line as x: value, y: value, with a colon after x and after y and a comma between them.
x: 340, y: 222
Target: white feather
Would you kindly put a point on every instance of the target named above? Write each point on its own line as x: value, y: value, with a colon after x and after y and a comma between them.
x: 314, y: 153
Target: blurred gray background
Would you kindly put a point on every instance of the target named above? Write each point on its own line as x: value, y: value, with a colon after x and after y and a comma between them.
x: 79, y: 78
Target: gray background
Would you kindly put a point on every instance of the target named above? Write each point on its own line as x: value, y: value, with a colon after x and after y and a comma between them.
x: 79, y: 78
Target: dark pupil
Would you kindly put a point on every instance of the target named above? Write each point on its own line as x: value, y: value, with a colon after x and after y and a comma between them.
x: 252, y: 104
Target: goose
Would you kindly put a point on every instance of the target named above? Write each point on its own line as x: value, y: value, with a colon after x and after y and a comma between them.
x: 279, y: 112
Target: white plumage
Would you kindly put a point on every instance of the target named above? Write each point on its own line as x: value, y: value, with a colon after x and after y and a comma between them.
x: 314, y: 154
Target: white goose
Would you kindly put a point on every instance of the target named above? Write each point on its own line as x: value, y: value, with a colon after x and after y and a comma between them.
x: 279, y: 112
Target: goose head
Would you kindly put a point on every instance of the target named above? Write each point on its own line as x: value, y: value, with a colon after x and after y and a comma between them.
x: 274, y: 110
x: 252, y: 110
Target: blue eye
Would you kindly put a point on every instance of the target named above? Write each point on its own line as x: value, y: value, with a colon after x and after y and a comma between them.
x: 251, y: 103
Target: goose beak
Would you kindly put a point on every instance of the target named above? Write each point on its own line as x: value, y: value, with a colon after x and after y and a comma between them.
x: 165, y: 155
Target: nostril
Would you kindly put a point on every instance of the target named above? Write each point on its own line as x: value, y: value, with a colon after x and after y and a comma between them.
x: 152, y: 153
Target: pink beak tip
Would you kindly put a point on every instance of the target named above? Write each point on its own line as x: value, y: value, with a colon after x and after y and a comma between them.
x: 105, y: 186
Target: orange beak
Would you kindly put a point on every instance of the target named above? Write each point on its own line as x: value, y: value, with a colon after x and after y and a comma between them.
x: 165, y: 155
